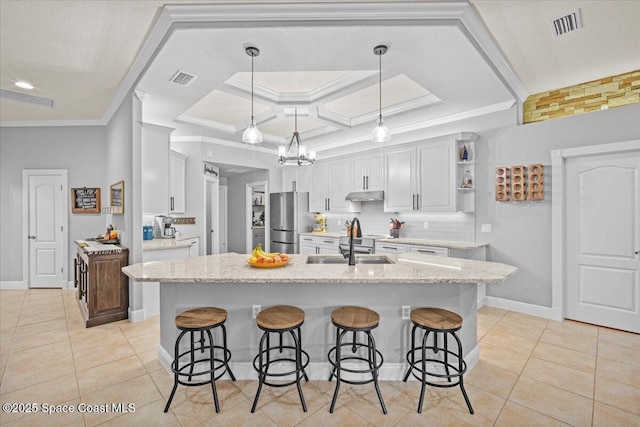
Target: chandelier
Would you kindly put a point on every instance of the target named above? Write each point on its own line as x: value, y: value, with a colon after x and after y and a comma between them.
x: 297, y: 156
x: 252, y: 135
x: 380, y: 132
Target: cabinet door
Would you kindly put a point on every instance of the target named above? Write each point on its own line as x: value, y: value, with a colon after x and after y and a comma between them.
x: 374, y: 171
x: 430, y: 250
x: 288, y: 177
x: 339, y: 188
x: 389, y: 248
x: 155, y: 169
x: 357, y: 174
x: 399, y: 180
x: 436, y: 177
x: 177, y: 182
x: 319, y: 188
x: 302, y: 179
x: 307, y: 249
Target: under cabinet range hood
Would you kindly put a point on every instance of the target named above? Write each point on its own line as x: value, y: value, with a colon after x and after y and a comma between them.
x: 365, y: 196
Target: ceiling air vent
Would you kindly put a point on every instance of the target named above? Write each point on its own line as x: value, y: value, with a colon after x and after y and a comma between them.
x: 566, y: 24
x: 183, y: 79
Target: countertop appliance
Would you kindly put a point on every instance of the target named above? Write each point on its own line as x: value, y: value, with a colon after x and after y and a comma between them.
x: 162, y: 227
x: 288, y: 216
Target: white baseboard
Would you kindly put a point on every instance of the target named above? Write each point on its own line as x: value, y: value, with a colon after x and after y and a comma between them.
x: 524, y: 308
x: 320, y: 370
x: 70, y: 285
x: 136, y: 315
x: 13, y: 284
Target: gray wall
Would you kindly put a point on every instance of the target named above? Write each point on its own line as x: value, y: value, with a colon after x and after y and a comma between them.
x: 521, y: 234
x: 80, y: 150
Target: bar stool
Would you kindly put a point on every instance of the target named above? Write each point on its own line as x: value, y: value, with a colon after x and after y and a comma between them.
x: 201, y: 320
x: 445, y: 323
x: 355, y: 319
x: 280, y: 319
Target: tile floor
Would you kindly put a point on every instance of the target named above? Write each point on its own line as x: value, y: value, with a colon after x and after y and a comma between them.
x: 531, y: 372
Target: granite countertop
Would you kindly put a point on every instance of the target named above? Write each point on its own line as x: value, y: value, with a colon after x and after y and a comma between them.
x: 435, y: 243
x: 163, y: 244
x: 408, y: 268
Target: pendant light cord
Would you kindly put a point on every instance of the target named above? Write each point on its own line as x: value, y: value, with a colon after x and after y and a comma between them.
x: 380, y: 85
x: 252, y: 120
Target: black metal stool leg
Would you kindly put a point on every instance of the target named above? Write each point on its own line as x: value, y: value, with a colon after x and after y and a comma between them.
x: 261, y: 372
x: 224, y: 344
x: 354, y: 348
x: 337, y: 372
x: 446, y: 356
x: 300, y: 341
x: 413, y: 345
x: 298, y: 347
x: 424, y: 369
x: 192, y: 353
x: 201, y: 342
x: 372, y: 344
x: 213, y: 373
x: 280, y: 333
x: 333, y: 370
x: 175, y: 368
x: 461, y: 380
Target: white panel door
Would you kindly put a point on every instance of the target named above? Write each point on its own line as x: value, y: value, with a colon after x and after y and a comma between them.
x: 436, y: 177
x: 339, y: 187
x: 603, y: 240
x: 45, y: 231
x: 399, y: 180
x: 375, y: 174
x: 319, y: 188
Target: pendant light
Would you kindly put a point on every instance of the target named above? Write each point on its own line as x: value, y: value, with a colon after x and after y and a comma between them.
x: 252, y: 135
x: 380, y: 132
x: 300, y: 156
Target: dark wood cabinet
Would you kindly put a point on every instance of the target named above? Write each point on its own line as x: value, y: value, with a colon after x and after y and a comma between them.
x: 103, y: 290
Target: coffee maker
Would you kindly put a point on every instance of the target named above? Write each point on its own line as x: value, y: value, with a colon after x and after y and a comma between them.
x: 162, y: 227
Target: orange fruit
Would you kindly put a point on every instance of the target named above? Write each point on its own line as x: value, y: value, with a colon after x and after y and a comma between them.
x: 277, y: 258
x: 269, y: 260
x: 262, y: 260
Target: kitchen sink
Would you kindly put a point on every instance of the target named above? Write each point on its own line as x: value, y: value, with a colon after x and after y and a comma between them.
x: 333, y: 259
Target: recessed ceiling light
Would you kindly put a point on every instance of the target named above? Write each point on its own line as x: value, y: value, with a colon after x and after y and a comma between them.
x: 24, y: 85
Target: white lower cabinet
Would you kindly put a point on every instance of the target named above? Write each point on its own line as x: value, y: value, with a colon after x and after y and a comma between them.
x: 431, y: 250
x: 390, y: 248
x: 314, y: 245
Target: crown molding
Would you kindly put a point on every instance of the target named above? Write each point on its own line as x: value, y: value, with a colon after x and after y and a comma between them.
x: 224, y: 143
x: 52, y: 123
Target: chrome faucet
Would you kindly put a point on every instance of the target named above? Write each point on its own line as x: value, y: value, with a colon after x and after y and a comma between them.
x: 351, y: 255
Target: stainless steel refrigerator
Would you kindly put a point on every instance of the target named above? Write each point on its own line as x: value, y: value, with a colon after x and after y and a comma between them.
x: 288, y: 216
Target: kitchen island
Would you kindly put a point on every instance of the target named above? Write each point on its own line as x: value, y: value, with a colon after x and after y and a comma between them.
x: 227, y: 281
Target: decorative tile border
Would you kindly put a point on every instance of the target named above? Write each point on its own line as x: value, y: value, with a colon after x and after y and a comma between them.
x: 610, y: 92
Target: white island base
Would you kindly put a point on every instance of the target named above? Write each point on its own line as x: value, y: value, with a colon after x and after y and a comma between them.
x: 392, y: 336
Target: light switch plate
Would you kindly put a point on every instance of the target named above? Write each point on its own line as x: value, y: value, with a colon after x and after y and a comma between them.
x: 209, y: 153
x: 426, y: 225
x: 486, y: 228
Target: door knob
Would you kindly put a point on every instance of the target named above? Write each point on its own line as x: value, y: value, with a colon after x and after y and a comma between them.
x: 31, y: 237
x: 637, y: 252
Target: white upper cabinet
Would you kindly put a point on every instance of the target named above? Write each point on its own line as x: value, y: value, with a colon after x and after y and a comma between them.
x: 155, y: 168
x: 425, y: 177
x: 329, y: 185
x: 295, y: 179
x: 399, y: 180
x: 177, y: 182
x: 366, y: 172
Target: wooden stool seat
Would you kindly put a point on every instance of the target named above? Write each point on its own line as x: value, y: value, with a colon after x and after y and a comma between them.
x: 355, y: 317
x: 280, y: 317
x: 436, y: 318
x: 204, y: 317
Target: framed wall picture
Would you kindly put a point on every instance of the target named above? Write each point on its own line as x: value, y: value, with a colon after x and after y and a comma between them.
x: 117, y: 198
x: 85, y: 200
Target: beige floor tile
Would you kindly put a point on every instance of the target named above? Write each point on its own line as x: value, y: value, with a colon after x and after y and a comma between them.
x: 151, y: 325
x: 502, y: 357
x: 6, y: 338
x: 197, y: 404
x: 486, y: 406
x: 327, y: 387
x: 341, y: 417
x: 492, y: 378
x: 621, y: 372
x: 485, y: 310
x: 482, y: 329
x: 90, y: 337
x: 572, y: 380
x: 363, y: 400
x: 510, y: 341
x: 150, y: 360
x: 41, y: 317
x: 532, y: 330
x: 431, y: 417
x: 552, y: 401
x: 285, y: 408
x: 622, y: 396
x: 8, y: 322
x: 45, y: 337
x: 565, y: 357
x: 573, y: 328
x: 139, y: 391
x: 239, y: 416
x: 56, y: 325
x: 148, y: 415
x: 57, y: 419
x: 41, y: 308
x: 35, y: 293
x: 37, y: 365
x: 582, y: 344
x: 620, y: 338
x: 146, y: 342
x: 606, y: 416
x: 525, y: 319
x: 517, y: 415
x: 99, y: 377
x: 620, y: 354
x: 11, y: 309
x: 53, y: 392
x: 100, y: 354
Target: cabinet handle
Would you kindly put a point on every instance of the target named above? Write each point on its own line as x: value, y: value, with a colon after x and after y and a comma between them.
x: 367, y: 181
x: 391, y: 247
x: 413, y: 202
x: 307, y: 240
x: 328, y: 204
x: 171, y: 202
x: 329, y: 241
x: 417, y: 202
x: 425, y: 251
x: 364, y: 186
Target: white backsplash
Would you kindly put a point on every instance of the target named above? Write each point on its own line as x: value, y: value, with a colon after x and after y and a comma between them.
x: 456, y: 226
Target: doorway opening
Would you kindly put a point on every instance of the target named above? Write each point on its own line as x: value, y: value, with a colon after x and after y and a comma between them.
x: 257, y: 215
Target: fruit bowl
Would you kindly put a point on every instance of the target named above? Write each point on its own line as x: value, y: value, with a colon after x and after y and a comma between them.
x: 268, y: 264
